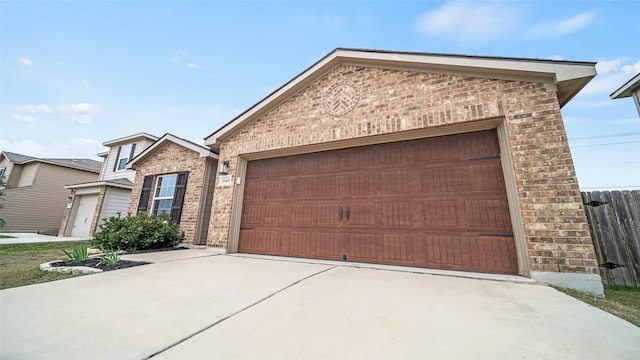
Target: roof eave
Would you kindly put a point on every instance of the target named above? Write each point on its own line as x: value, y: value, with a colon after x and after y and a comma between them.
x: 45, y: 161
x: 202, y: 152
x: 99, y: 183
x: 627, y: 89
x: 129, y: 138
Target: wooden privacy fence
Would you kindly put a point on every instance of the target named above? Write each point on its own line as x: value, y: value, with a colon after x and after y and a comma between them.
x: 614, y: 221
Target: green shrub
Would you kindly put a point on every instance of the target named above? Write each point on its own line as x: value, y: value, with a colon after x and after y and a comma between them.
x: 137, y: 232
x: 77, y: 253
x: 111, y: 258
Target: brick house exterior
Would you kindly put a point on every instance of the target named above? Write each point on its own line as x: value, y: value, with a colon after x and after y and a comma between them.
x: 392, y: 96
x: 171, y: 155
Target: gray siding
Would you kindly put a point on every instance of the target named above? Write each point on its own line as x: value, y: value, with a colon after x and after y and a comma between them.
x: 115, y: 201
x: 42, y: 205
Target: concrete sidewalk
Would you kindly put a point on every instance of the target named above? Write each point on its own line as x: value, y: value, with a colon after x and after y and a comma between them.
x: 239, y: 307
x: 25, y: 238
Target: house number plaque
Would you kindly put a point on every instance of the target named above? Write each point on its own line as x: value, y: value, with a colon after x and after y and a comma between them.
x: 224, y: 181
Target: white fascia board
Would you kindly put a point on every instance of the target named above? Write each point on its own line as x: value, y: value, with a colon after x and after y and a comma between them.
x: 627, y: 89
x: 202, y: 152
x: 213, y: 138
x: 130, y: 138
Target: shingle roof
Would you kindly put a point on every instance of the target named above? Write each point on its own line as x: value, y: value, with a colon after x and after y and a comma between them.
x: 85, y: 164
x: 82, y: 164
x: 17, y: 158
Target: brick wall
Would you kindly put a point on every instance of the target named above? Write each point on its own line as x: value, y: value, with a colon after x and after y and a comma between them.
x: 170, y: 159
x: 556, y: 230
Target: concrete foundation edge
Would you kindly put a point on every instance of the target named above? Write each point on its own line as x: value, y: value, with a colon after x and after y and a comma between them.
x: 590, y: 283
x: 216, y: 250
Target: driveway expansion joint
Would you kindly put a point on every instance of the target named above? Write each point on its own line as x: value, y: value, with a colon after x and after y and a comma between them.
x: 239, y: 311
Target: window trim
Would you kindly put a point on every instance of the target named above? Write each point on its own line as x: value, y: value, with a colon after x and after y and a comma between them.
x: 125, y: 152
x: 3, y: 171
x: 155, y: 189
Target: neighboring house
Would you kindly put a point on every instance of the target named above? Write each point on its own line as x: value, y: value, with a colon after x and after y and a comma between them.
x: 34, y: 194
x: 92, y: 202
x: 630, y: 89
x: 176, y: 177
x: 431, y: 160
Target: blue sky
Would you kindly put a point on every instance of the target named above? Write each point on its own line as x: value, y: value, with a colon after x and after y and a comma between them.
x: 76, y: 74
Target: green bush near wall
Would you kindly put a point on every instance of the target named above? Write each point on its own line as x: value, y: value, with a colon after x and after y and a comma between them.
x: 137, y: 232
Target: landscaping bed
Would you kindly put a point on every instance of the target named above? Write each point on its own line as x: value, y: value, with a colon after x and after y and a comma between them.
x: 97, y: 263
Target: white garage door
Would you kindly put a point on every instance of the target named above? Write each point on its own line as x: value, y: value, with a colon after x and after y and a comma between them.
x: 84, y: 215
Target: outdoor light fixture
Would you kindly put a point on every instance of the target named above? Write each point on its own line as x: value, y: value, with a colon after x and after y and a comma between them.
x: 224, y: 168
x: 69, y: 198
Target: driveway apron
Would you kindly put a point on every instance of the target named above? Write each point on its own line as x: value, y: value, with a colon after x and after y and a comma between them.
x: 356, y: 313
x: 136, y: 312
x: 229, y: 307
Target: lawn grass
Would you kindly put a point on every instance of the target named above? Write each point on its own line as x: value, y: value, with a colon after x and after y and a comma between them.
x: 6, y: 237
x: 20, y: 263
x: 621, y: 301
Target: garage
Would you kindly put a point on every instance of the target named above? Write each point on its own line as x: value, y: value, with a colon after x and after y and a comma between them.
x: 436, y: 202
x: 443, y: 161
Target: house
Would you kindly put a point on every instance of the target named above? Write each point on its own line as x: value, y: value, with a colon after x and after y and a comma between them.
x: 34, y: 194
x: 630, y: 89
x: 93, y: 201
x: 431, y: 160
x: 176, y: 177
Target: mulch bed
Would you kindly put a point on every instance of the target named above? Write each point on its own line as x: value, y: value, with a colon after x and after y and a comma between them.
x: 97, y: 263
x: 122, y: 264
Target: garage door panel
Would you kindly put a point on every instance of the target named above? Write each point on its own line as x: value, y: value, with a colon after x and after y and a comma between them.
x: 494, y: 254
x: 398, y: 213
x: 394, y: 154
x: 363, y: 158
x: 314, y: 214
x: 397, y: 249
x: 329, y: 244
x: 441, y: 179
x: 361, y: 214
x: 438, y: 149
x: 301, y: 243
x: 478, y: 144
x: 302, y: 187
x: 261, y: 241
x: 441, y: 213
x: 395, y: 182
x: 265, y: 214
x: 484, y: 177
x: 328, y: 186
x: 437, y: 202
x: 364, y: 246
x: 265, y: 189
x: 363, y: 184
x: 490, y: 214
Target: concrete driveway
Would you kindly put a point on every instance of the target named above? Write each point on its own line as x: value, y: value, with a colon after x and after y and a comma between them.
x: 239, y: 307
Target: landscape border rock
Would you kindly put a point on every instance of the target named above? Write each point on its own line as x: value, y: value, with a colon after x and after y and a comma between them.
x: 68, y: 269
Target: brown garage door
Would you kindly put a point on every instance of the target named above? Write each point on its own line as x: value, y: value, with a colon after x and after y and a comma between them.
x: 437, y: 202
